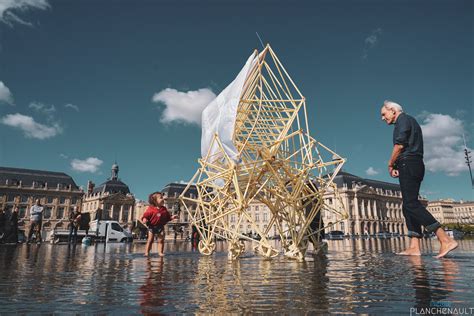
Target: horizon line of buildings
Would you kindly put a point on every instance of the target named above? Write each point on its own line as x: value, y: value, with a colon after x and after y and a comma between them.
x: 372, y: 206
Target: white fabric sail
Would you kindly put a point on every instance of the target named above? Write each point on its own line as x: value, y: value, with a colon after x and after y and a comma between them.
x: 219, y: 115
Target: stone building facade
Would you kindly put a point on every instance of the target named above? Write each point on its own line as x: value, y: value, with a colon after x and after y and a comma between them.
x: 372, y: 207
x: 464, y: 212
x: 110, y: 200
x: 57, y: 191
x: 181, y: 227
x: 448, y: 211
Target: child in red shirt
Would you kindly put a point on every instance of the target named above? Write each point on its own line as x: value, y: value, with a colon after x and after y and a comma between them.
x: 155, y: 217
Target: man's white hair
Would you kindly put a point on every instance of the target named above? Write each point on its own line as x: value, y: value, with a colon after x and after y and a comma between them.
x: 392, y: 106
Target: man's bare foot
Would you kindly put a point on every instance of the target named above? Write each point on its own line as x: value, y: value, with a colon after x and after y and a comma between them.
x: 410, y: 252
x: 161, y: 254
x: 146, y: 255
x: 446, y: 248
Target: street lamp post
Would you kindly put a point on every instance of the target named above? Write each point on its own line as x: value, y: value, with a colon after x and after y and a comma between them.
x: 468, y: 160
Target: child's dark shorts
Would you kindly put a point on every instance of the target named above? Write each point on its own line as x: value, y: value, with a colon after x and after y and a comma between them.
x: 156, y: 229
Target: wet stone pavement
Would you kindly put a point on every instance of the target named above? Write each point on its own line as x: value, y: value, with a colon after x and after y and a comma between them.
x: 356, y: 276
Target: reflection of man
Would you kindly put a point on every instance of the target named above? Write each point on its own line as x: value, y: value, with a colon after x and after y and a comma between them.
x: 406, y: 164
x: 430, y: 294
x: 36, y: 218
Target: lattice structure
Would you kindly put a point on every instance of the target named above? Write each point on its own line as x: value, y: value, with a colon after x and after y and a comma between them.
x: 279, y: 164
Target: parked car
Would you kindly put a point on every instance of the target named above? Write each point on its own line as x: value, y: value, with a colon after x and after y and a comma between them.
x: 103, y: 230
x: 454, y: 233
x: 335, y: 234
x: 383, y: 235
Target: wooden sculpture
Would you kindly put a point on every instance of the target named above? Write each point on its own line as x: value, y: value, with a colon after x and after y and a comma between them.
x: 261, y: 150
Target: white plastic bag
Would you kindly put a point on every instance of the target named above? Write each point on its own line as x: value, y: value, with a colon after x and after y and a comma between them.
x: 219, y: 116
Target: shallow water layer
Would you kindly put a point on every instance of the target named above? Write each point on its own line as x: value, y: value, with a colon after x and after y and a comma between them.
x: 356, y: 276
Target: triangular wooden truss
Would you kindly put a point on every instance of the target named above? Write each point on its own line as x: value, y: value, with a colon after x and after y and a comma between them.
x: 280, y: 165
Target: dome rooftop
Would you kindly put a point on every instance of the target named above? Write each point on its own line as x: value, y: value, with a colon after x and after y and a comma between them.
x: 112, y: 186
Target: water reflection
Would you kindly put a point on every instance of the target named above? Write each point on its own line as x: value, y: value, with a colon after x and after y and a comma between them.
x: 356, y: 276
x: 152, y: 289
x: 438, y: 287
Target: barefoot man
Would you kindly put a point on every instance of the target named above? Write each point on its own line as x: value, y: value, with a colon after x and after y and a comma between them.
x: 406, y: 164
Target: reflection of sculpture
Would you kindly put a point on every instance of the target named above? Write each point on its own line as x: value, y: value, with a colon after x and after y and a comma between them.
x: 256, y: 146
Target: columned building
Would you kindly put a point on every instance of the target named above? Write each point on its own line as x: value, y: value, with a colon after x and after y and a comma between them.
x: 110, y: 200
x: 57, y: 191
x: 464, y: 212
x: 443, y: 211
x: 372, y: 206
x: 448, y: 211
x: 172, y: 191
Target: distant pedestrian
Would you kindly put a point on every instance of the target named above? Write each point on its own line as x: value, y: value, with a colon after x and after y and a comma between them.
x: 155, y: 218
x: 406, y: 164
x: 12, y: 227
x: 317, y: 224
x: 36, y: 220
x: 74, y: 222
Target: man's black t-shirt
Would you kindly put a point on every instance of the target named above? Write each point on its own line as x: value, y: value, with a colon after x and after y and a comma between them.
x: 408, y: 133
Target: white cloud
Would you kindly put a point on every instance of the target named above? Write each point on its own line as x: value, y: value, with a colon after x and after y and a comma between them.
x: 10, y: 8
x: 90, y: 164
x: 5, y: 94
x: 183, y: 107
x: 63, y: 156
x: 443, y: 144
x: 72, y: 106
x: 40, y: 107
x: 29, y: 127
x: 370, y: 41
x: 371, y: 171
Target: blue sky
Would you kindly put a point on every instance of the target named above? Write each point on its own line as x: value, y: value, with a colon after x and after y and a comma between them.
x: 85, y: 83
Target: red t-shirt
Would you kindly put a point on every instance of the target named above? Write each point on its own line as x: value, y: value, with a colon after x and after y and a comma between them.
x: 156, y: 216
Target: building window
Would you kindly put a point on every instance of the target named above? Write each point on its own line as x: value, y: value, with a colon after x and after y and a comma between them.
x: 24, y: 199
x: 73, y: 200
x: 232, y: 218
x: 8, y: 210
x: 265, y: 217
x: 11, y: 198
x: 47, y: 212
x: 256, y: 208
x: 257, y: 217
x: 22, y: 212
x: 125, y: 214
x: 60, y: 213
x: 62, y: 200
